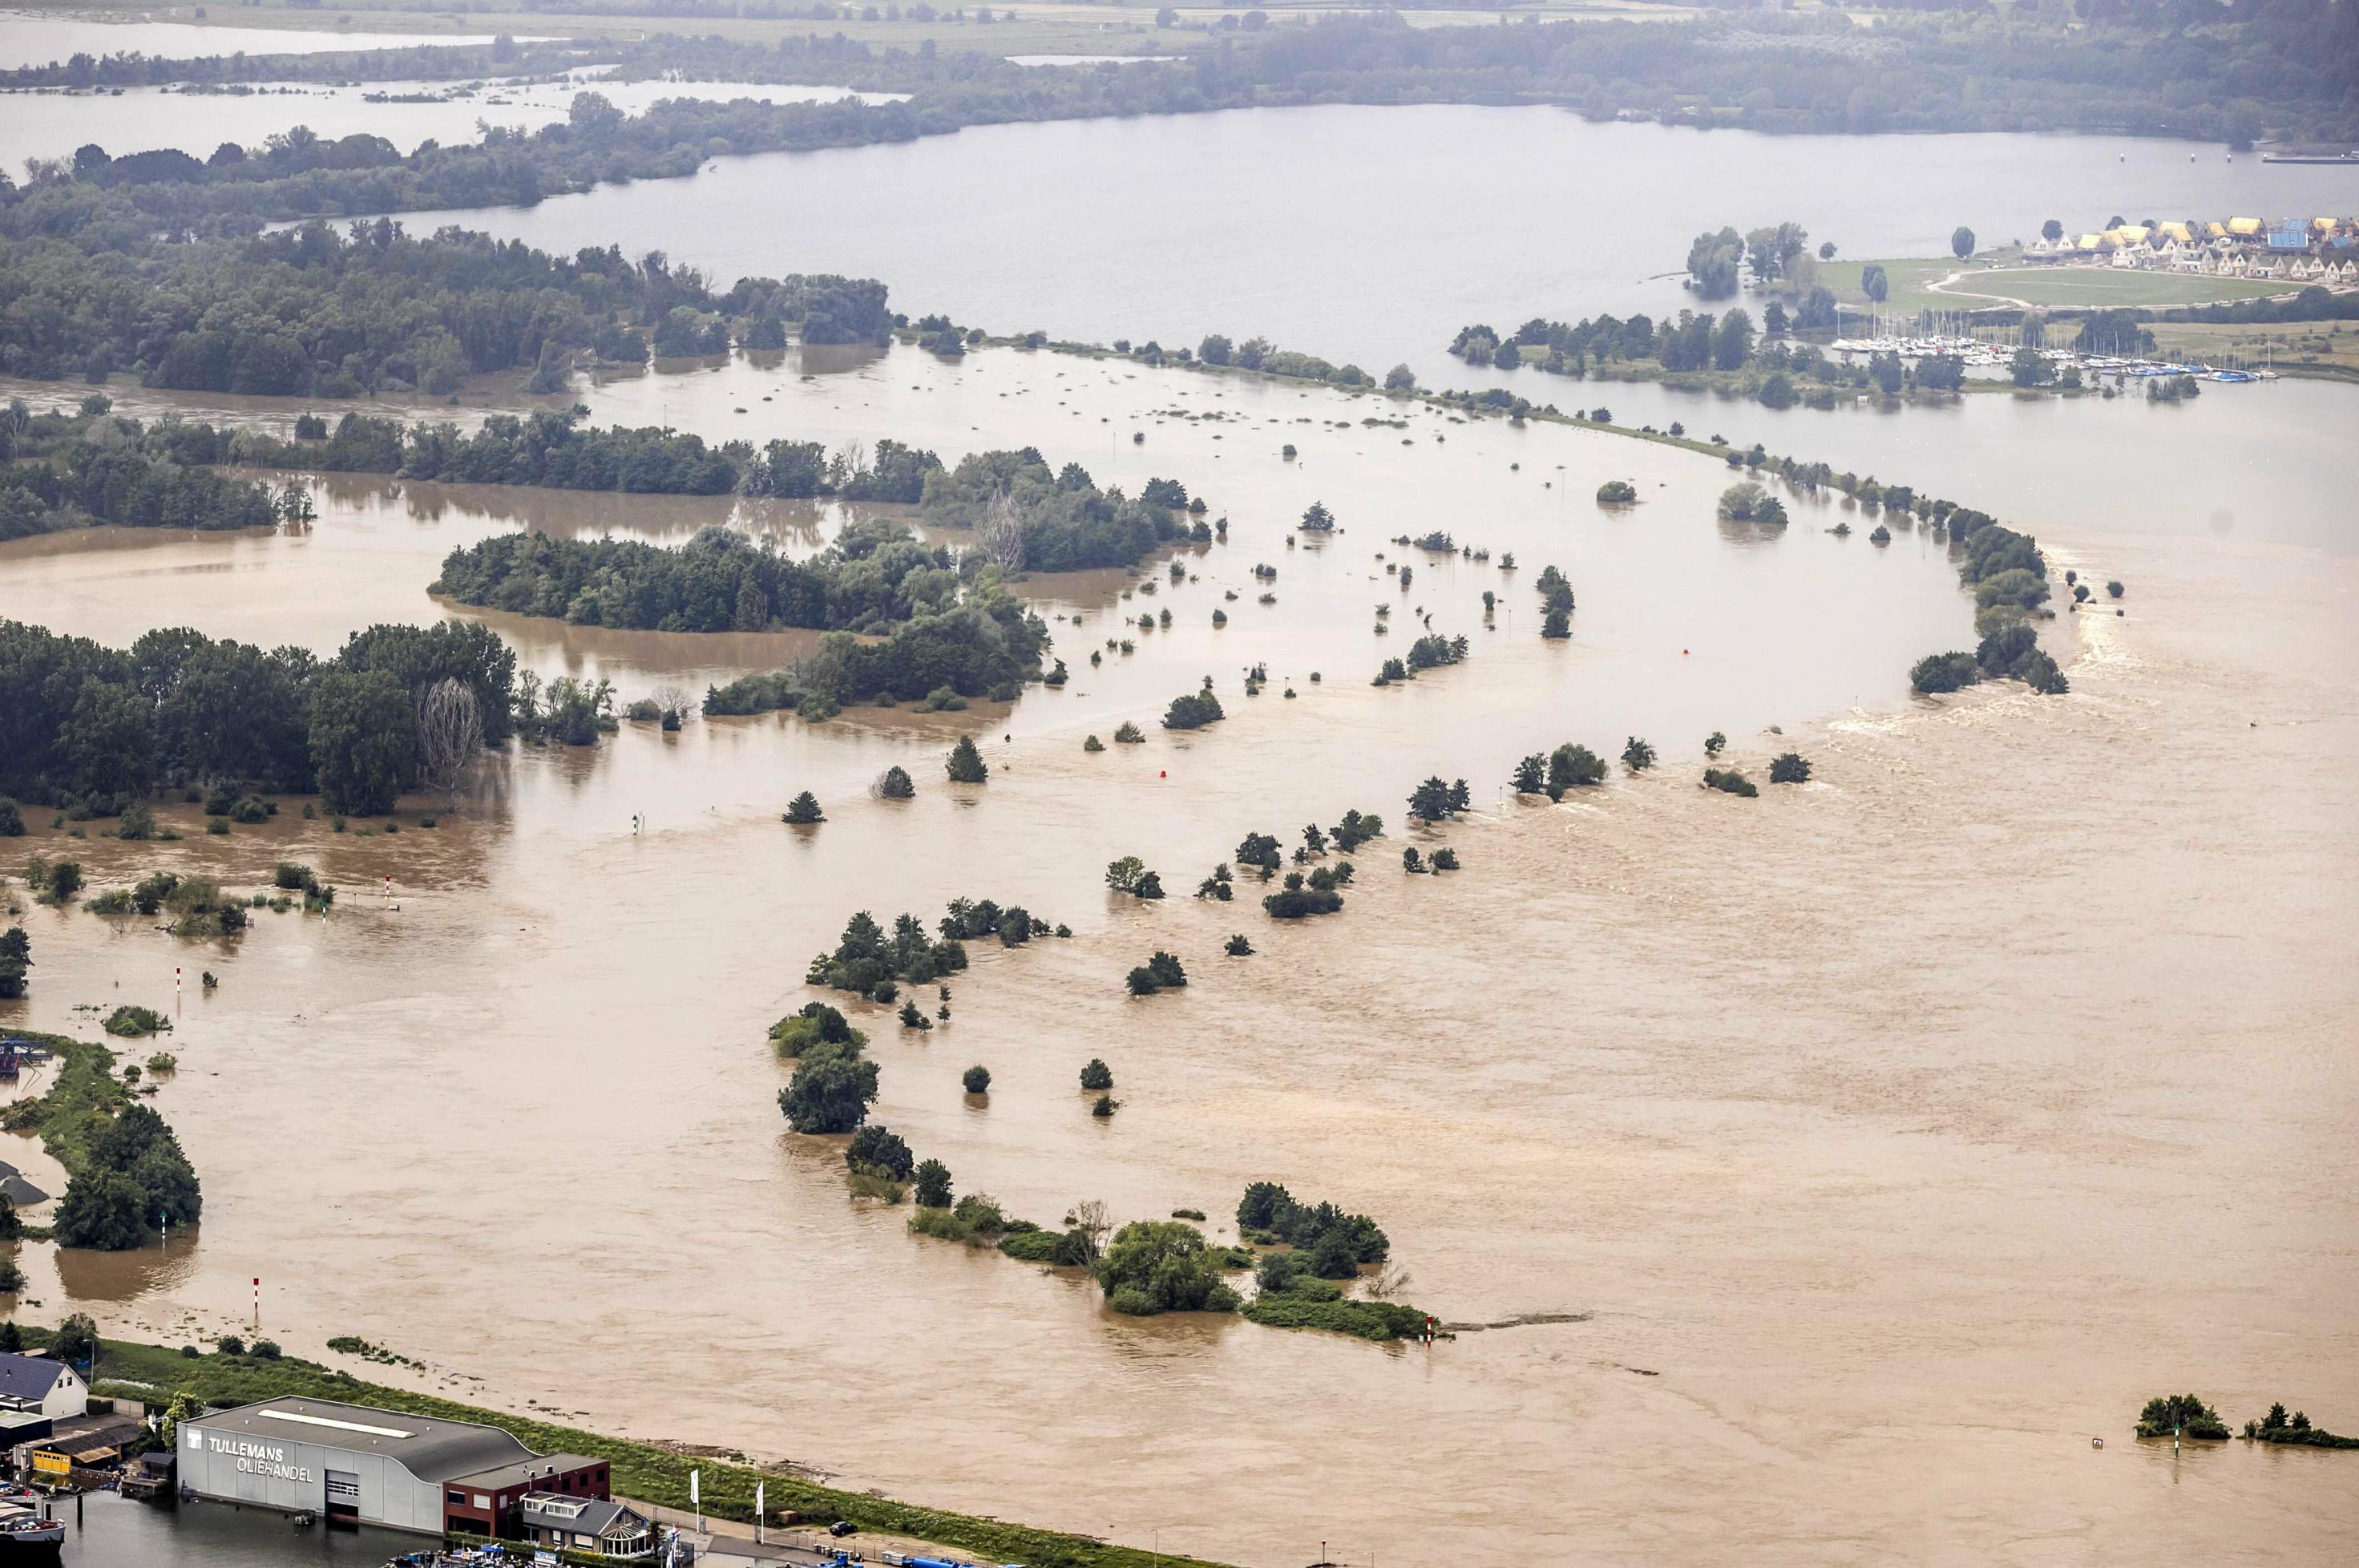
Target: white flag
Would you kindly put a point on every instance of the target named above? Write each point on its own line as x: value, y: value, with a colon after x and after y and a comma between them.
x: 758, y: 1501
x: 694, y: 1501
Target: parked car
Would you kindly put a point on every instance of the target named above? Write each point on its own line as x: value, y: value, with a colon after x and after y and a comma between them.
x: 843, y: 1527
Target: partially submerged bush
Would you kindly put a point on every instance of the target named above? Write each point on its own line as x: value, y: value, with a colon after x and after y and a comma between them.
x: 965, y: 765
x: 1159, y: 973
x: 1162, y: 1266
x: 816, y: 1023
x: 2181, y: 1413
x: 131, y: 1022
x: 877, y: 1149
x: 1939, y: 673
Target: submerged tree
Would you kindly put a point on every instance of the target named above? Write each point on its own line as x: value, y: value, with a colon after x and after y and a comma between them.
x: 803, y: 812
x: 16, y: 958
x: 831, y: 1090
x: 965, y: 764
x: 893, y: 784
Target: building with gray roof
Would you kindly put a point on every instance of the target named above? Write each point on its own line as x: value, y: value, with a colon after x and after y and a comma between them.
x: 374, y: 1466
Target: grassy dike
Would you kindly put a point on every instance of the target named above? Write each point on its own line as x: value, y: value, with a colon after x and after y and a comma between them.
x: 84, y: 1097
x: 641, y: 1471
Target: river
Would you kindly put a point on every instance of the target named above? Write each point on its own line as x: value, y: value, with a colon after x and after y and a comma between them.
x: 1373, y: 235
x: 1890, y: 1138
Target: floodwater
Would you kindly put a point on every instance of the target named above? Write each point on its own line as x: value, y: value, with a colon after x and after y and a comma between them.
x: 47, y: 39
x: 1683, y: 614
x: 41, y: 124
x: 111, y: 1533
x: 1890, y: 1137
x: 1372, y: 234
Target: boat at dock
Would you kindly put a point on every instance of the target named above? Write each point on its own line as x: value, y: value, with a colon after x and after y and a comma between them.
x: 30, y: 1537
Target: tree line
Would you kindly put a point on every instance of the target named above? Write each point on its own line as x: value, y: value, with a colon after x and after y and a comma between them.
x: 1030, y: 517
x: 872, y: 575
x: 60, y: 470
x: 106, y: 727
x: 307, y: 312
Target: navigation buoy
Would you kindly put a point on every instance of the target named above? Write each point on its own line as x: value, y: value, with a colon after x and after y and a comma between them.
x: 1162, y: 773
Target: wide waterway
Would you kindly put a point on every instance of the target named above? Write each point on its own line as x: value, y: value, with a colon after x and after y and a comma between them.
x: 1373, y: 235
x: 1896, y: 1135
x: 1885, y: 1129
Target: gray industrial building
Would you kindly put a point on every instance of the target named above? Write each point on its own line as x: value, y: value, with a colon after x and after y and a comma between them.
x: 373, y: 1466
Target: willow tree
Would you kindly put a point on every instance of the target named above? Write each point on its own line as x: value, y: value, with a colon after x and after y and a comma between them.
x: 449, y: 733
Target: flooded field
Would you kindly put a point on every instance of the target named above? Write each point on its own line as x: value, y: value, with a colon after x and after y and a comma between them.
x: 28, y: 38
x: 1886, y: 1138
x: 42, y: 124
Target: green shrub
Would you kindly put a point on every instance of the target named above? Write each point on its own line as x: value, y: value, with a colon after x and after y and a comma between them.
x: 1162, y: 1266
x: 1032, y: 1246
x: 798, y: 1032
x: 2174, y: 1412
x: 1939, y: 673
x: 1729, y: 781
x: 831, y: 1089
x: 132, y: 1022
x: 965, y: 764
x: 877, y: 1149
x: 1096, y: 1075
x: 1789, y: 768
x: 976, y: 1079
x: 1377, y: 1321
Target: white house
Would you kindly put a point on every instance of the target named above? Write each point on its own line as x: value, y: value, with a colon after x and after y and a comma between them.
x: 38, y: 1383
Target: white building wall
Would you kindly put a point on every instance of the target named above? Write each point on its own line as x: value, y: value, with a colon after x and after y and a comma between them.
x: 292, y: 1477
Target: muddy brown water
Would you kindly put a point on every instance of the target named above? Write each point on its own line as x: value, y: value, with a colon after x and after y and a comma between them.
x: 1909, y: 1128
